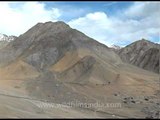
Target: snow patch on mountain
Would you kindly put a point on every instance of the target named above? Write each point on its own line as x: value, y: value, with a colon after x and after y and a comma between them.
x: 4, y: 37
x: 115, y: 47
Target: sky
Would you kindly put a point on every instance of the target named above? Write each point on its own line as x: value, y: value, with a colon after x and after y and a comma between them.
x: 118, y: 23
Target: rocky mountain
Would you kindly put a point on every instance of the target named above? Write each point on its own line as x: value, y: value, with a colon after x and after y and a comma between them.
x: 54, y: 63
x: 44, y: 44
x: 4, y: 37
x: 142, y: 53
x: 116, y: 47
x: 3, y: 44
x: 149, y: 60
x: 4, y: 40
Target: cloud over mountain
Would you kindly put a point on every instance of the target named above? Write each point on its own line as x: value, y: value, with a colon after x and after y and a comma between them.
x: 140, y: 20
x: 16, y: 17
x: 136, y: 21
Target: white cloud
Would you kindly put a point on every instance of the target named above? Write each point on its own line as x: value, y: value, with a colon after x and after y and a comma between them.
x: 94, y: 25
x: 16, y: 18
x: 141, y: 20
x: 143, y: 9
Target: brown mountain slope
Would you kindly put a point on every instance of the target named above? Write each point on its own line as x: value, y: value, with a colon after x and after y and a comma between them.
x: 59, y: 64
x: 135, y: 54
x: 149, y: 60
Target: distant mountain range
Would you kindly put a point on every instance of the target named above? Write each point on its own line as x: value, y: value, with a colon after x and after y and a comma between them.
x: 4, y: 39
x: 52, y: 62
x: 142, y: 53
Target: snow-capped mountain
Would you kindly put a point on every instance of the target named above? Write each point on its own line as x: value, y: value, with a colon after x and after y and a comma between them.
x: 4, y: 37
x: 4, y: 40
x: 115, y: 47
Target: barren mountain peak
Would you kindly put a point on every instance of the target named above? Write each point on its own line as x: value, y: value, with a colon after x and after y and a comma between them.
x: 139, y: 53
x: 143, y: 39
x: 50, y: 23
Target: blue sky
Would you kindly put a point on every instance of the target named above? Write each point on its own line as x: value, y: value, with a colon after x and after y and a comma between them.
x: 87, y: 7
x: 119, y: 23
